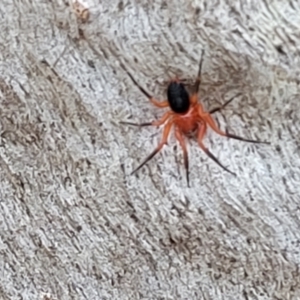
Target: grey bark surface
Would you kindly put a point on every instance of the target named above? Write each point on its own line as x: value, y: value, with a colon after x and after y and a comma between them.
x: 75, y: 225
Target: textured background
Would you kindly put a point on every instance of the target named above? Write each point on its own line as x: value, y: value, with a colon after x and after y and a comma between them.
x: 75, y: 225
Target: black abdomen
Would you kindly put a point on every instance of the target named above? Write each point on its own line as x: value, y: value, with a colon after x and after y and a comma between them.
x: 178, y: 97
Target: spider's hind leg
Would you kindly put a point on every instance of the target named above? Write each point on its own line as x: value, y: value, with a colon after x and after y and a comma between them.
x: 136, y: 124
x: 158, y: 122
x: 198, y: 80
x: 153, y: 100
x: 212, y: 111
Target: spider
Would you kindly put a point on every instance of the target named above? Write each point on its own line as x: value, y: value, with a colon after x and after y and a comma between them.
x: 187, y: 116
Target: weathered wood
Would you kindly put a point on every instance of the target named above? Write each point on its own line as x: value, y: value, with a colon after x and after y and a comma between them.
x: 75, y: 225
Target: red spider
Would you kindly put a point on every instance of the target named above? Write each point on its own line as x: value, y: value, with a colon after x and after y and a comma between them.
x: 187, y: 116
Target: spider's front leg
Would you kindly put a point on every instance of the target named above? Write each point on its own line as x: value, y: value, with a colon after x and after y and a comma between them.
x: 180, y: 138
x: 201, y: 133
x: 164, y: 140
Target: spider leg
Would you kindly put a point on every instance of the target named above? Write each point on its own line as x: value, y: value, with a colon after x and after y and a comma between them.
x: 198, y: 80
x: 201, y: 133
x: 210, y: 121
x: 159, y: 122
x: 181, y: 141
x: 136, y: 124
x: 160, y: 104
x: 164, y: 140
x: 154, y: 101
x: 212, y: 111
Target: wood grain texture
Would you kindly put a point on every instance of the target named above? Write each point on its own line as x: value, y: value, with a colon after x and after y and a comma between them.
x: 75, y: 225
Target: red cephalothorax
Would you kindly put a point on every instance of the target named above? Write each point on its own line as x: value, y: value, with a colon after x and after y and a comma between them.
x: 186, y: 115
